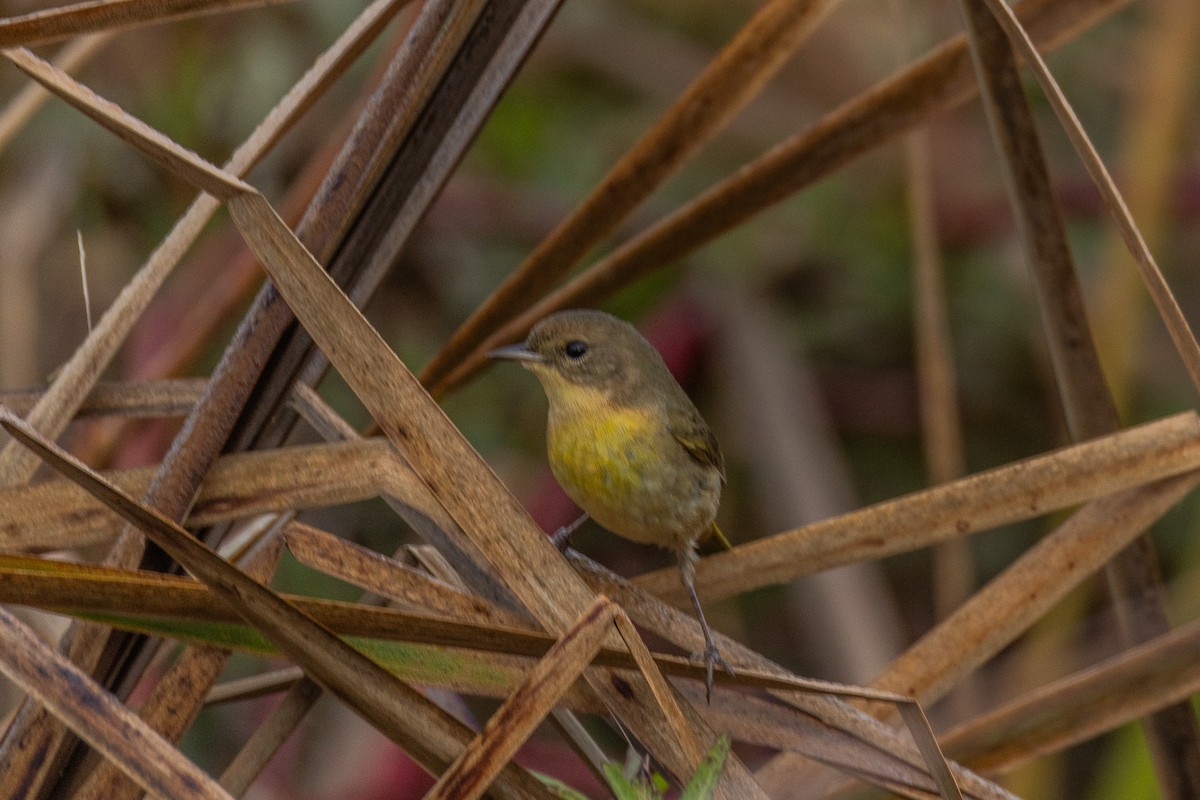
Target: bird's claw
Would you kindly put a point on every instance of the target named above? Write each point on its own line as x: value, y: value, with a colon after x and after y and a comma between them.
x: 711, y: 657
x: 561, y: 538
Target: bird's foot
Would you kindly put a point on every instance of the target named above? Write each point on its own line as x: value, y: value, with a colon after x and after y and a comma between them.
x: 561, y: 538
x: 711, y: 657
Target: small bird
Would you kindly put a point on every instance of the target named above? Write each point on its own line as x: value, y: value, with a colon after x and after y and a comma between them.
x: 625, y: 442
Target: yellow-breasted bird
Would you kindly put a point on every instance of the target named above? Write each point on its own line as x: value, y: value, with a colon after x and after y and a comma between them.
x: 624, y: 440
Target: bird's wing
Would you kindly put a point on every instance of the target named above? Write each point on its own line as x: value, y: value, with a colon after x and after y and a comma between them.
x: 697, y: 438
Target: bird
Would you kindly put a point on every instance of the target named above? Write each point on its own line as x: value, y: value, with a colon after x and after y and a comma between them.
x: 626, y: 443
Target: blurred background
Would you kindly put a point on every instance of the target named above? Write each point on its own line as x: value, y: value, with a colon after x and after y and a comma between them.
x: 794, y: 333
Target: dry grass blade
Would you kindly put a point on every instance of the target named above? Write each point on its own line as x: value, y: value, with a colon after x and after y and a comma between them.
x: 937, y: 384
x: 939, y: 81
x: 260, y: 685
x: 1147, y: 137
x: 51, y: 414
x: 918, y: 724
x: 485, y: 65
x: 270, y: 736
x: 664, y: 697
x: 1164, y: 300
x: 176, y: 159
x: 1006, y: 494
x: 98, y: 717
x: 519, y: 553
x: 998, y: 612
x: 1079, y: 707
x: 777, y: 726
x: 1085, y: 399
x: 21, y: 109
x: 817, y: 724
x: 104, y: 590
x: 481, y: 675
x: 175, y: 700
x: 57, y: 515
x: 1134, y: 575
x: 429, y: 734
x: 123, y: 597
x: 166, y: 398
x: 55, y: 24
x: 433, y: 101
x: 388, y: 578
x: 411, y: 500
x: 941, y: 423
x: 508, y: 728
x: 313, y: 409
x: 728, y: 83
x: 429, y: 49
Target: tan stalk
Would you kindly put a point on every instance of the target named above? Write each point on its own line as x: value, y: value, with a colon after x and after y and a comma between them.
x: 1164, y: 300
x: 56, y: 24
x: 424, y: 730
x: 79, y: 374
x: 939, y: 81
x: 937, y: 384
x: 728, y: 82
x: 165, y: 398
x: 1134, y: 576
x: 175, y: 701
x: 1081, y: 706
x: 57, y: 515
x: 512, y: 723
x: 387, y: 578
x: 98, y: 717
x: 835, y: 733
x: 25, y: 105
x: 1019, y: 491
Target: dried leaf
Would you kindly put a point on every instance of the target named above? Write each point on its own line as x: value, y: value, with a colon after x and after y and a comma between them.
x: 425, y: 731
x: 98, y: 717
x: 1018, y: 491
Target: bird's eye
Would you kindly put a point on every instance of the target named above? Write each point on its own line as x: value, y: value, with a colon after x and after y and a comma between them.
x: 575, y: 349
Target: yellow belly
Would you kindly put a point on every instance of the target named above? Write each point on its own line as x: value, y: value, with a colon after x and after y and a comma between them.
x: 626, y: 471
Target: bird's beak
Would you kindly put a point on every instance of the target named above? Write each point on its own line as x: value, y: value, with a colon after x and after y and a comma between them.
x: 516, y: 352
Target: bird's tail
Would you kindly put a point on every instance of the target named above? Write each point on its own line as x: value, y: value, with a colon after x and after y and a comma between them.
x: 715, y: 533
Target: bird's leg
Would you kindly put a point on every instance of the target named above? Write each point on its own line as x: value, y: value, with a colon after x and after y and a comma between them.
x: 561, y: 538
x: 710, y: 655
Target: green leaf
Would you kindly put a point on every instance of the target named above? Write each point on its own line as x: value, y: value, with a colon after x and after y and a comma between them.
x: 659, y: 784
x: 560, y: 789
x: 427, y: 664
x: 622, y: 787
x: 703, y: 784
